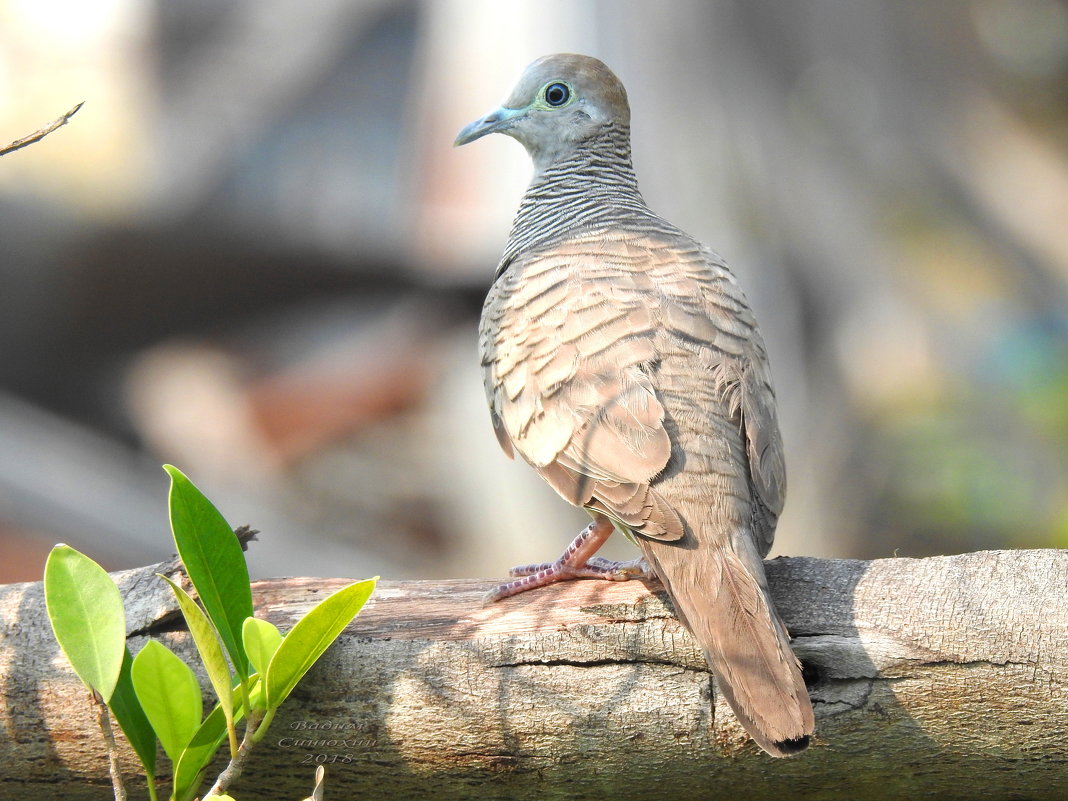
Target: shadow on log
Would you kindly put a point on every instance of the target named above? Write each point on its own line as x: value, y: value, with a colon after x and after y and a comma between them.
x: 944, y: 677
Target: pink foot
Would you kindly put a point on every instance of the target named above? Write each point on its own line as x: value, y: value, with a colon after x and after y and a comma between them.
x: 577, y: 562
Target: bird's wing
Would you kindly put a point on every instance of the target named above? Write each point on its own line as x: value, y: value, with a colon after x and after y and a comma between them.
x: 734, y: 352
x: 738, y: 361
x: 571, y: 340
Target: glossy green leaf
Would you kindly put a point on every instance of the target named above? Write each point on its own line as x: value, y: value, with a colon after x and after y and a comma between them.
x: 198, y: 755
x: 310, y: 638
x: 207, y: 641
x: 169, y: 695
x: 131, y: 718
x: 87, y: 617
x: 214, y: 562
x: 261, y: 639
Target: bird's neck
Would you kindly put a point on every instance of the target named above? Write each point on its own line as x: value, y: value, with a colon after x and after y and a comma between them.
x: 590, y: 186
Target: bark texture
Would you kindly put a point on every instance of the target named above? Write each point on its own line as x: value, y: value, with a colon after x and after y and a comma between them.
x: 943, y: 677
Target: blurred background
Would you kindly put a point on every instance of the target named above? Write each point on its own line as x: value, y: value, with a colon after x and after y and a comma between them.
x: 255, y: 254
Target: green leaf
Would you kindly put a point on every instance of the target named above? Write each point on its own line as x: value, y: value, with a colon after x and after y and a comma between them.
x: 214, y: 561
x: 169, y: 695
x: 312, y: 635
x: 261, y: 639
x: 131, y: 718
x: 207, y: 642
x: 87, y: 617
x: 191, y: 765
x: 198, y: 755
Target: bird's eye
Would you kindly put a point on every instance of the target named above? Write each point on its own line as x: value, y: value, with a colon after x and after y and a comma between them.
x: 556, y: 94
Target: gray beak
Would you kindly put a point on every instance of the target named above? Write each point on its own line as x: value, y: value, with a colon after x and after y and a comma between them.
x: 499, y: 119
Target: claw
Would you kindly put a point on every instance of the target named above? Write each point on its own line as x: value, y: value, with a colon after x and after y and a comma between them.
x: 577, y: 562
x: 622, y: 571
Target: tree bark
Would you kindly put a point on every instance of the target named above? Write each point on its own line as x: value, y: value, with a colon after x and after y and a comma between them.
x: 944, y: 677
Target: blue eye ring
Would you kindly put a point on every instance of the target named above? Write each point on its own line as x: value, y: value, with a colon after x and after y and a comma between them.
x: 557, y: 94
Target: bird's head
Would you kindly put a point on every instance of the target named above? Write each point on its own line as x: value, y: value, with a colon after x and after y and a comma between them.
x: 560, y: 102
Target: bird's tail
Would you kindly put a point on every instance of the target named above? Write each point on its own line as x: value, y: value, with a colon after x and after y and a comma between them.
x: 722, y: 598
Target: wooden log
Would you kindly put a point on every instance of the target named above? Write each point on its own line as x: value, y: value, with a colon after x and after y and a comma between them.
x: 944, y: 677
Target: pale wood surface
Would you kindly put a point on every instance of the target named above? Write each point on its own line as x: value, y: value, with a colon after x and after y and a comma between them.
x: 944, y: 678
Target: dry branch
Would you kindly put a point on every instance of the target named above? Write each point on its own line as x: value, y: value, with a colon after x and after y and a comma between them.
x: 41, y: 133
x: 944, y: 677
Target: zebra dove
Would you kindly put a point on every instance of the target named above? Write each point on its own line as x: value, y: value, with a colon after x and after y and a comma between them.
x: 622, y: 361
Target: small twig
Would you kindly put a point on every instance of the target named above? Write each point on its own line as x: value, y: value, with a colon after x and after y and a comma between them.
x: 104, y: 719
x: 37, y: 136
x: 233, y: 770
x: 245, y: 534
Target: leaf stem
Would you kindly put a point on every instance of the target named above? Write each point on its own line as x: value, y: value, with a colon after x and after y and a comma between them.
x: 245, y: 697
x: 231, y: 733
x: 261, y: 729
x: 246, y: 700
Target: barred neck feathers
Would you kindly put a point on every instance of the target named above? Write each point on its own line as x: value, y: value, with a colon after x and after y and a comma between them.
x: 591, y: 186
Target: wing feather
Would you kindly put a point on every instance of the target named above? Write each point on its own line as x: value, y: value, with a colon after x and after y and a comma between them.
x: 571, y: 340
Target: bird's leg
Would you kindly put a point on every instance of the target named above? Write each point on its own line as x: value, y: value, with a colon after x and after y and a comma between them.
x: 576, y: 562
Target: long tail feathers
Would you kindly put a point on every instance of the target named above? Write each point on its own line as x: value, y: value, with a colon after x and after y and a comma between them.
x: 722, y: 599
